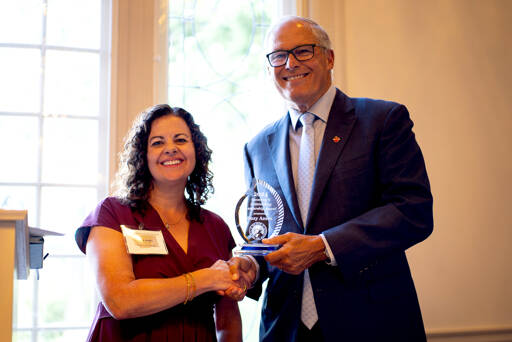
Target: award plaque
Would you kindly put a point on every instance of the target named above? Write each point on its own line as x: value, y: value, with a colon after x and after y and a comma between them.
x: 259, y: 214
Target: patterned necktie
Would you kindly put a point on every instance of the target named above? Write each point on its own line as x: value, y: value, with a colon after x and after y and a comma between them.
x: 306, y: 171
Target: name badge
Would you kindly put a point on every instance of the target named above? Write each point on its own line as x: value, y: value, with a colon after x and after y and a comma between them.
x: 144, y: 241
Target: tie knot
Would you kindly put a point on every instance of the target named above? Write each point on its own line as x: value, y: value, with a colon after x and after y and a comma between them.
x: 307, y: 119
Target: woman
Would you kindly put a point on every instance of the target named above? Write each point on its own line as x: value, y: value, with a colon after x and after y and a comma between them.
x: 157, y: 255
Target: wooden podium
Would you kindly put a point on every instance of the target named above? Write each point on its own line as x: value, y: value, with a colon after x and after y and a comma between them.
x: 14, y: 263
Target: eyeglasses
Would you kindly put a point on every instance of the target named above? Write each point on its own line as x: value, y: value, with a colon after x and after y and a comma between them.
x: 301, y: 53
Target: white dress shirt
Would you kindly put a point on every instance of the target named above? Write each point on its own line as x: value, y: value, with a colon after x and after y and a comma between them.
x: 321, y: 109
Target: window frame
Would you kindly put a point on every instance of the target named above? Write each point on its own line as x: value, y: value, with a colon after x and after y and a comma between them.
x: 103, y: 151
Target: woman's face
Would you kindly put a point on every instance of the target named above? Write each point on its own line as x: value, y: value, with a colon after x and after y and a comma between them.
x: 171, y: 154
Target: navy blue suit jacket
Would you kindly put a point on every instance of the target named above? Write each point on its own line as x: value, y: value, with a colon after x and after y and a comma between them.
x: 371, y: 199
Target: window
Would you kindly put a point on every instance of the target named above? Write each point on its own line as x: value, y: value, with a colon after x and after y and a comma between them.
x: 54, y: 62
x: 217, y: 72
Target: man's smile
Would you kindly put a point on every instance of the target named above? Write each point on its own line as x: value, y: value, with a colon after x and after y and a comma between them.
x: 294, y: 77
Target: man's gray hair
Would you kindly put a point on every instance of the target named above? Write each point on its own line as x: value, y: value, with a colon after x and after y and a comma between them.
x: 318, y: 31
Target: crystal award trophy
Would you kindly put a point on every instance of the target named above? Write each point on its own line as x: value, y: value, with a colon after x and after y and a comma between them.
x: 259, y: 214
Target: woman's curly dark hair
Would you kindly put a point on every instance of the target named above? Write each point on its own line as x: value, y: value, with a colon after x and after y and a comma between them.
x: 134, y: 180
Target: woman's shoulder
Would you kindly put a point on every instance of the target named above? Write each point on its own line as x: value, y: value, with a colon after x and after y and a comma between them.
x: 109, y: 206
x: 212, y: 220
x: 112, y: 202
x: 212, y: 217
x: 108, y: 213
x: 218, y: 229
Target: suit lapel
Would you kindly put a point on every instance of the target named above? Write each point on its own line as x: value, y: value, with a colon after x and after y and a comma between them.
x: 339, y: 126
x: 280, y: 152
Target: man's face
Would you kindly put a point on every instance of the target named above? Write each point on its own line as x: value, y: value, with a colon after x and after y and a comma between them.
x: 301, y: 84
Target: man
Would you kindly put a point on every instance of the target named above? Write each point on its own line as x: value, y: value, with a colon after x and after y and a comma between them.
x: 356, y: 196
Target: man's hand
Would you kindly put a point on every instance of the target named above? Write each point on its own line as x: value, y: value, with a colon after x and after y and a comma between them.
x: 297, y: 253
x: 243, y: 272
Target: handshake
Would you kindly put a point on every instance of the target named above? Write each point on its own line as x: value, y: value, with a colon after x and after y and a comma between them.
x: 235, y: 276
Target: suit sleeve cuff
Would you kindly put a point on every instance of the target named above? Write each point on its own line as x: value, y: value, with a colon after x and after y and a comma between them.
x: 331, y: 261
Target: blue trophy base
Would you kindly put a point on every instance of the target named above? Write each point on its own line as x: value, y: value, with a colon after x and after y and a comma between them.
x: 255, y: 249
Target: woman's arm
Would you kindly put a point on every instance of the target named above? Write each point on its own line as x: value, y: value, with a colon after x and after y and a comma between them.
x: 127, y: 297
x: 228, y: 322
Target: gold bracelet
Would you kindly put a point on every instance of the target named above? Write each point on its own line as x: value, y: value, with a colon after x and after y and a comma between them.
x: 188, y: 287
x: 193, y: 292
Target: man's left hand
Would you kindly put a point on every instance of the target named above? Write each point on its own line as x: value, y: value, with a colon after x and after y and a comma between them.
x: 297, y: 252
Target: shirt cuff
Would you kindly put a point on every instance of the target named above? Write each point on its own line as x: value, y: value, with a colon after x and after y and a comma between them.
x: 257, y: 269
x: 331, y: 261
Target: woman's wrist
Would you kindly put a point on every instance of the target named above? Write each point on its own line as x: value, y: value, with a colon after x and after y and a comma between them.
x: 191, y: 287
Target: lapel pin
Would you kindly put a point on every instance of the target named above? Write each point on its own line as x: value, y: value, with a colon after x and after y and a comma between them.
x: 336, y: 139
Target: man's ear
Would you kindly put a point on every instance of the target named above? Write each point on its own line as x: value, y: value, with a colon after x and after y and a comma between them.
x: 268, y: 69
x: 330, y: 58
